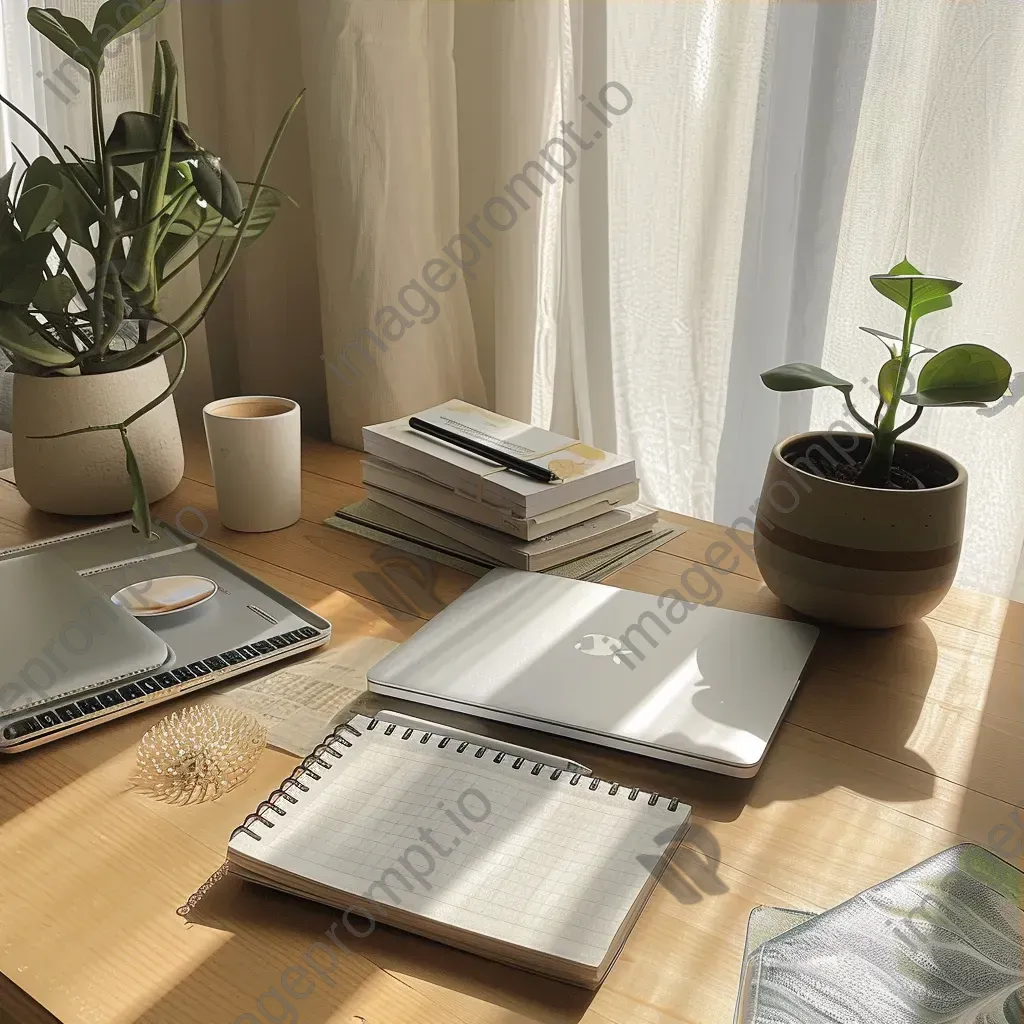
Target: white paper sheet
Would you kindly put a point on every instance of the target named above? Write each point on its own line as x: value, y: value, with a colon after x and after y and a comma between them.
x: 301, y: 702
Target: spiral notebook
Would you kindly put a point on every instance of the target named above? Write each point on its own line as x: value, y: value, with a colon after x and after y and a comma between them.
x: 498, y: 855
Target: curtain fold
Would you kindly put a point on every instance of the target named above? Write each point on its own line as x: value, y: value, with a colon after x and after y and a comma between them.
x: 397, y: 328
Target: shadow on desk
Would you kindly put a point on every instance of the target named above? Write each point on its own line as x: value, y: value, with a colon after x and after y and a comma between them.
x: 254, y: 916
x: 992, y: 812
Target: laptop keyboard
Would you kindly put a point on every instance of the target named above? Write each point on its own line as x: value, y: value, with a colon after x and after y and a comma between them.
x: 221, y: 665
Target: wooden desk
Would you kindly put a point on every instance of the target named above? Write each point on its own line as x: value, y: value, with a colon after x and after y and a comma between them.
x: 899, y: 745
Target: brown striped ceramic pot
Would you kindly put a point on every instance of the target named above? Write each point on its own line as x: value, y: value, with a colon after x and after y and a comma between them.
x: 859, y: 556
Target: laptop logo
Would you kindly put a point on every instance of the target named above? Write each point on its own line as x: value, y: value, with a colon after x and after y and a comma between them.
x: 598, y: 645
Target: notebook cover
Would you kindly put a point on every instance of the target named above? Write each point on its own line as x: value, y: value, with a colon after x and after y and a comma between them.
x: 939, y: 944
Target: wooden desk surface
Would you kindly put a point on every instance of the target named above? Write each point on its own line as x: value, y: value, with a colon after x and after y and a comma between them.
x: 899, y: 744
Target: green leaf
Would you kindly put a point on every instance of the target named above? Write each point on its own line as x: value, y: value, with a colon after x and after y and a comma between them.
x: 54, y: 294
x: 801, y: 377
x: 962, y: 375
x: 215, y: 185
x: 887, y: 376
x: 5, y: 183
x: 9, y: 233
x: 110, y: 22
x: 929, y: 293
x: 894, y: 343
x: 21, y: 269
x: 42, y: 197
x: 187, y: 224
x: 142, y: 521
x: 42, y: 171
x: 77, y: 215
x: 204, y: 221
x: 39, y: 208
x: 18, y: 338
x: 69, y: 35
x: 135, y: 138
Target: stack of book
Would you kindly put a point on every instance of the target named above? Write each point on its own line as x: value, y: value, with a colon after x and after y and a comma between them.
x: 499, y: 513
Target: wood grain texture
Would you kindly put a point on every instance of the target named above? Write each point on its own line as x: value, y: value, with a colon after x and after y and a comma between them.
x: 898, y: 745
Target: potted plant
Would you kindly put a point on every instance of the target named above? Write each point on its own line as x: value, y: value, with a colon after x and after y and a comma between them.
x: 86, y: 245
x: 864, y: 529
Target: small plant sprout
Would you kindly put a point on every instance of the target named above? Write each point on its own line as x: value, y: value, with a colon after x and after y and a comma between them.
x: 967, y: 375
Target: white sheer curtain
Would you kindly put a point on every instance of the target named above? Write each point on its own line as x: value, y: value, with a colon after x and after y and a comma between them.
x: 937, y: 174
x: 775, y: 155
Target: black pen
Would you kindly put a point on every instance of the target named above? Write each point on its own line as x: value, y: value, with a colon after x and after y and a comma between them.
x: 538, y: 473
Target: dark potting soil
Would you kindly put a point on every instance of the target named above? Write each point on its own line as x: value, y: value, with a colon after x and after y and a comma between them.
x: 913, y: 468
x: 899, y: 479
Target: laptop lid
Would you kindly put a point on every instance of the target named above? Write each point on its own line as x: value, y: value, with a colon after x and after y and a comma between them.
x: 685, y: 682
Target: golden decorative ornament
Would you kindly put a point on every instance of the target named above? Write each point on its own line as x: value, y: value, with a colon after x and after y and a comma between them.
x: 198, y: 754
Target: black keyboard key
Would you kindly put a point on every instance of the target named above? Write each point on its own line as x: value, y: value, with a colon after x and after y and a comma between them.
x: 279, y: 642
x: 293, y: 637
x: 111, y: 699
x: 131, y: 691
x: 216, y: 663
x: 166, y: 680
x: 48, y: 719
x: 149, y: 685
x: 263, y: 647
x: 248, y: 652
x: 197, y: 668
x: 307, y: 632
x: 232, y: 657
x: 25, y: 727
x: 183, y: 675
x: 69, y: 712
x: 89, y: 706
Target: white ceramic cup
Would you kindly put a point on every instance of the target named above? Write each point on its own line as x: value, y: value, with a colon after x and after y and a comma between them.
x: 256, y: 453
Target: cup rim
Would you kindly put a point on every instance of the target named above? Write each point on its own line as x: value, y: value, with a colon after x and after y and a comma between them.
x: 214, y: 408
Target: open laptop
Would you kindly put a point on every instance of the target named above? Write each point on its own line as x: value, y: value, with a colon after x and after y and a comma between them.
x: 694, y: 684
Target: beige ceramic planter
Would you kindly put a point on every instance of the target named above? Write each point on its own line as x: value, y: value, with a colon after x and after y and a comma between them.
x: 85, y: 474
x: 859, y: 556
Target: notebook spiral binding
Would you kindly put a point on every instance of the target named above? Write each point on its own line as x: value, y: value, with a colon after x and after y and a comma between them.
x: 305, y: 767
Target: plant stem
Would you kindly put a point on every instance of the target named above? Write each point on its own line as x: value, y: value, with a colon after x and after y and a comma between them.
x: 108, y: 222
x: 878, y: 465
x: 193, y: 256
x: 870, y: 427
x: 909, y: 323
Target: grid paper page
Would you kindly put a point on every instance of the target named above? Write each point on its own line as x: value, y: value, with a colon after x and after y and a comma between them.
x: 498, y: 851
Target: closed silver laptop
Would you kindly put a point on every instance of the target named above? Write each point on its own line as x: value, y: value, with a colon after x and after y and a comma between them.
x: 655, y: 675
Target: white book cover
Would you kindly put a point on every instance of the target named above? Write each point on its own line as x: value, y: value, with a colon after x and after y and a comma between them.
x: 415, y: 486
x: 583, y: 470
